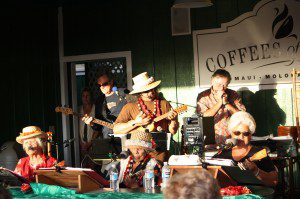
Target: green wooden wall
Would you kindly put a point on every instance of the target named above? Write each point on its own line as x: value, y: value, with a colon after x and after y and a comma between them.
x: 29, y: 69
x: 143, y: 27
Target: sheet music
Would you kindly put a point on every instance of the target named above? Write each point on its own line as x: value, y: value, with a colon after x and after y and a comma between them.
x: 68, y: 168
x: 220, y: 162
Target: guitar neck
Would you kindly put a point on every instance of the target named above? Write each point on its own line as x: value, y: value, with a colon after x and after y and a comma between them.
x: 161, y: 117
x: 103, y: 123
x: 97, y: 121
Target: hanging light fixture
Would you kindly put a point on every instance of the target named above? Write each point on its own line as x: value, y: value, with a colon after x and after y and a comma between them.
x: 192, y: 3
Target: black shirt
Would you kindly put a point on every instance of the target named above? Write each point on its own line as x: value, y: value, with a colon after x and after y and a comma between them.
x: 108, y: 109
x: 264, y: 164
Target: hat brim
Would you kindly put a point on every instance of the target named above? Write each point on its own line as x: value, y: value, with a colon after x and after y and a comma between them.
x: 139, y: 144
x: 20, y: 139
x: 146, y: 88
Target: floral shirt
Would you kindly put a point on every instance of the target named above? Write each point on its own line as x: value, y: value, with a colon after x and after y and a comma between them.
x: 25, y: 169
x: 206, y: 100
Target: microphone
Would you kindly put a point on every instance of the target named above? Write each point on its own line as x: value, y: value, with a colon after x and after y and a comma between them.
x: 182, y: 104
x: 68, y: 141
x: 114, y: 88
x: 229, y: 143
x: 31, y: 148
x: 123, y: 155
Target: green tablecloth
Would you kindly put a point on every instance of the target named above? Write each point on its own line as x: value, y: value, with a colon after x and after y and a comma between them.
x: 50, y: 191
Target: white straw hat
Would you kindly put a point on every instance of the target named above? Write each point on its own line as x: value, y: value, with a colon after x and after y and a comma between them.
x: 30, y: 132
x: 143, y: 82
x: 140, y: 139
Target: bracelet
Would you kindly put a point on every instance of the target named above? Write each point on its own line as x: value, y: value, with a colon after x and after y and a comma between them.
x: 257, y: 173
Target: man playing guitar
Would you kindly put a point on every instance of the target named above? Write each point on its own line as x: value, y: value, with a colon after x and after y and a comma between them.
x: 141, y: 114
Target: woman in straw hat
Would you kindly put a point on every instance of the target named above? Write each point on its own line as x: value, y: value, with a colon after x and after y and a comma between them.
x: 32, y: 138
x: 147, y: 107
x: 132, y: 168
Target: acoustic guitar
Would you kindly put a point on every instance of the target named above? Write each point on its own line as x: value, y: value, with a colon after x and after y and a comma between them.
x: 151, y: 127
x: 259, y: 155
x: 69, y: 111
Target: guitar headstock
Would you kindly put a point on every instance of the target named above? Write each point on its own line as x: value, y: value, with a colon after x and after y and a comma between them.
x: 181, y: 109
x: 66, y: 111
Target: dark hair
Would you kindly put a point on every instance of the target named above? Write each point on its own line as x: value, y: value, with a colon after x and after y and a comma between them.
x: 105, y: 73
x: 86, y: 89
x: 222, y: 73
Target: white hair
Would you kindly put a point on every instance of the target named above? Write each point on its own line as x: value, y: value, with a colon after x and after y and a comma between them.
x: 40, y: 143
x: 239, y: 118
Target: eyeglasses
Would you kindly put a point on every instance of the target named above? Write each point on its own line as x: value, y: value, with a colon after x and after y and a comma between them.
x: 104, y: 84
x: 237, y: 133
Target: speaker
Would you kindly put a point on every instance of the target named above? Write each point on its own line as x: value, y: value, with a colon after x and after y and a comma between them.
x: 198, y: 129
x: 180, y: 21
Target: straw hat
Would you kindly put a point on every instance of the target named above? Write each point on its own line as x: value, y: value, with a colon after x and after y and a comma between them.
x: 140, y: 139
x: 143, y: 82
x: 30, y: 132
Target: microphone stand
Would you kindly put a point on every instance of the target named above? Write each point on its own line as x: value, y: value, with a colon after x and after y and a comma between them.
x: 182, y: 104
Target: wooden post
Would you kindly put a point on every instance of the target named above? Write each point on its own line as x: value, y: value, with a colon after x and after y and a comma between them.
x: 295, y: 101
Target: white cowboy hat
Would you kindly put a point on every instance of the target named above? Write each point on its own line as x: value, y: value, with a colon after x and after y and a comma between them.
x: 30, y: 132
x: 140, y: 139
x: 143, y: 82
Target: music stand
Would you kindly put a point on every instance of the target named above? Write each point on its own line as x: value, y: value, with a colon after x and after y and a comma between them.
x: 83, y: 180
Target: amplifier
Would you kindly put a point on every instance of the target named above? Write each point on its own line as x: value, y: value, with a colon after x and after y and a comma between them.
x: 198, y: 130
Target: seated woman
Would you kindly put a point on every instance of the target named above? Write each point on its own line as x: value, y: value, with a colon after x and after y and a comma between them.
x: 241, y: 126
x: 132, y: 168
x: 32, y: 139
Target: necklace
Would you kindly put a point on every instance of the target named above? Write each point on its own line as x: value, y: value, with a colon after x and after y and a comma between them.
x: 156, y: 110
x: 129, y: 168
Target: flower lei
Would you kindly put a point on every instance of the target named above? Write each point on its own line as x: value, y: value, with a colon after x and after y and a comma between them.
x: 156, y: 110
x: 129, y: 170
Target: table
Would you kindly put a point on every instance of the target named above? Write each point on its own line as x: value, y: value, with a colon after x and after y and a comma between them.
x: 223, y: 179
x: 42, y: 191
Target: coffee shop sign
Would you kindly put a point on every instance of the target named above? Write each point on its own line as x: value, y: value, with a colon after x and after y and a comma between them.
x: 259, y: 47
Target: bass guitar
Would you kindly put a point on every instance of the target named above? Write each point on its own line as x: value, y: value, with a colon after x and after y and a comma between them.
x: 69, y: 111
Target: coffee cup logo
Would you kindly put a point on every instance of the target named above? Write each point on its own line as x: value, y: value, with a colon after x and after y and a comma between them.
x: 283, y: 24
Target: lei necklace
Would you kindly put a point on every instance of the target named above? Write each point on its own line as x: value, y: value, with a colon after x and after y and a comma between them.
x: 156, y: 110
x: 129, y: 169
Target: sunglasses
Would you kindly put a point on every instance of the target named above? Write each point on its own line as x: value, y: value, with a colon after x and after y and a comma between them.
x: 104, y: 84
x: 237, y: 133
